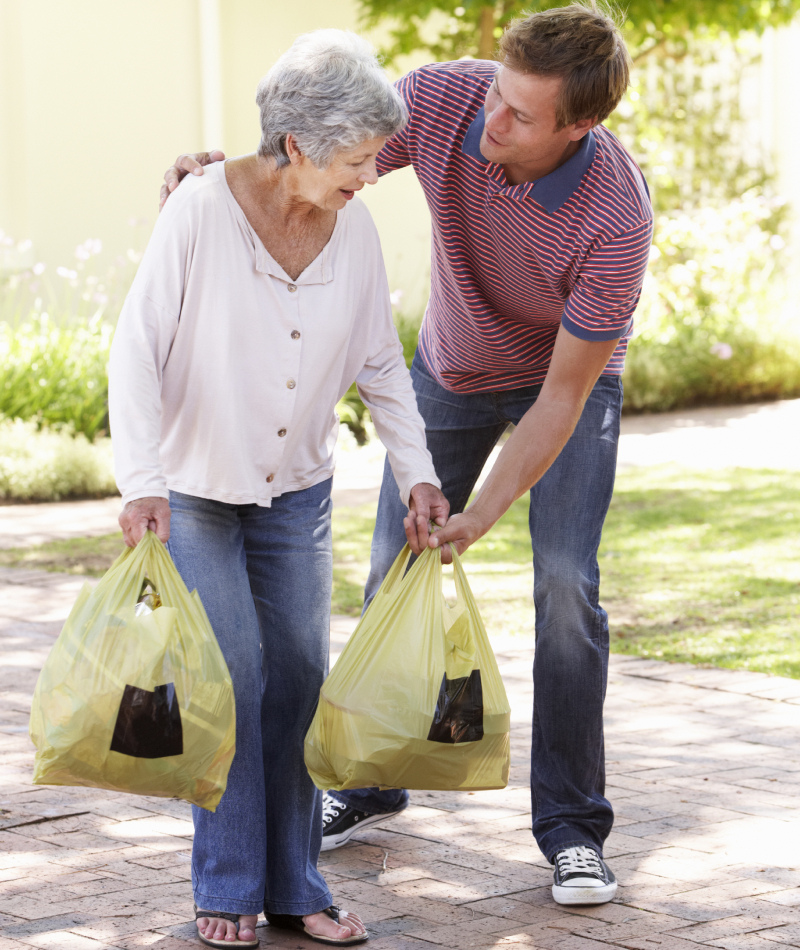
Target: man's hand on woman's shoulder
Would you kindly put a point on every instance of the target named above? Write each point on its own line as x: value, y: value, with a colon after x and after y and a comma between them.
x: 184, y: 164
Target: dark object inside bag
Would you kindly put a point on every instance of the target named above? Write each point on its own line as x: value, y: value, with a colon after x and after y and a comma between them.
x: 458, y: 716
x: 148, y: 723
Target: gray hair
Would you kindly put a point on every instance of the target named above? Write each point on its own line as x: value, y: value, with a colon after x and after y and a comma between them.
x: 328, y: 91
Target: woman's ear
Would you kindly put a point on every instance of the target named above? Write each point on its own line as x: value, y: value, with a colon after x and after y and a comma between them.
x: 292, y: 150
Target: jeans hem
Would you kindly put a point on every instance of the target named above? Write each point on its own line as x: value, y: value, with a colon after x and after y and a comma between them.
x: 227, y: 905
x: 301, y: 908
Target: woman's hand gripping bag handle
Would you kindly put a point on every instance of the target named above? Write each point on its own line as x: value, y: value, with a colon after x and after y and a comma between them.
x: 133, y: 698
x: 415, y: 700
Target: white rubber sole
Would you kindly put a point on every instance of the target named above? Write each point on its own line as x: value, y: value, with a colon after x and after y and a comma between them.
x: 563, y: 894
x: 331, y: 842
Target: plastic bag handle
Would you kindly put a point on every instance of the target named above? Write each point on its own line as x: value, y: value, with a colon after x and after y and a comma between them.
x: 458, y: 634
x: 463, y: 590
x: 395, y: 576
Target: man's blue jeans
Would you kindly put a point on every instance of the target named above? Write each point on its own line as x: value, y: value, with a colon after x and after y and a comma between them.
x: 264, y: 577
x: 567, y: 510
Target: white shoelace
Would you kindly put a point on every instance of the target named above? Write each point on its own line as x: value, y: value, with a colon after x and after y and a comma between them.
x: 331, y: 809
x: 580, y: 860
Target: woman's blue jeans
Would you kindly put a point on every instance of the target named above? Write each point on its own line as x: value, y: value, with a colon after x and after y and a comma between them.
x: 264, y: 576
x: 567, y: 509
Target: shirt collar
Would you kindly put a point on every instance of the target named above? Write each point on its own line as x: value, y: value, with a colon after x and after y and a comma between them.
x: 319, y: 271
x: 553, y: 190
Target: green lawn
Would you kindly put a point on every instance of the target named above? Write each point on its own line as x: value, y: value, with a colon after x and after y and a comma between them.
x: 700, y: 567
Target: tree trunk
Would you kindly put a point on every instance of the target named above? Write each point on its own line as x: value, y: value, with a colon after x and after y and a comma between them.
x: 486, y: 39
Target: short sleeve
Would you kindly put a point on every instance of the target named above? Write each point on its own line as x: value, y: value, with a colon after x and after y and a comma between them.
x: 601, y: 304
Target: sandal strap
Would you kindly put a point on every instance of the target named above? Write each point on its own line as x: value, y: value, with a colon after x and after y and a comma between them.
x: 233, y: 918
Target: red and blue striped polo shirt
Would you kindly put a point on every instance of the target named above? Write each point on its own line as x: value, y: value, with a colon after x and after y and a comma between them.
x: 511, y: 263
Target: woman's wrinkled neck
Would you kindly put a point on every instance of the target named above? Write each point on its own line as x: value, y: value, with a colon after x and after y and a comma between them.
x: 275, y: 191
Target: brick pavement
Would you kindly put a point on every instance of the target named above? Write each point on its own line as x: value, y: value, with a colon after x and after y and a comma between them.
x: 704, y: 772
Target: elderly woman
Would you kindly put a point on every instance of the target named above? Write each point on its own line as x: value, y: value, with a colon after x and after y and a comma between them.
x: 261, y: 297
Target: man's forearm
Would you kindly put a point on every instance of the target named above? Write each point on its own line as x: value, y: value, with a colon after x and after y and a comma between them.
x: 536, y: 442
x: 529, y: 452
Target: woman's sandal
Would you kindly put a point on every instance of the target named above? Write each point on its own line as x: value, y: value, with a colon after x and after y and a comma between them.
x: 234, y: 918
x: 294, y: 922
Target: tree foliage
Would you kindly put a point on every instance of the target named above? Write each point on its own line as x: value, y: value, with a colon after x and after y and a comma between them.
x: 450, y: 29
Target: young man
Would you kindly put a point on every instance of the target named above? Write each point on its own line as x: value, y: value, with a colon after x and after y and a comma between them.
x: 541, y: 233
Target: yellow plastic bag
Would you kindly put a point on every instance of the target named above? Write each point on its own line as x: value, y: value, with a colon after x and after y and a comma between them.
x: 136, y: 700
x: 416, y: 699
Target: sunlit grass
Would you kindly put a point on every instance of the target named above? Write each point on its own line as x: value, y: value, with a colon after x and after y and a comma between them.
x: 700, y: 567
x: 90, y: 557
x: 705, y: 567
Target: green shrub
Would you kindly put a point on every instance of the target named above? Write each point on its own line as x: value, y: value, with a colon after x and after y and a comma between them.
x: 56, y: 373
x: 56, y: 325
x: 45, y: 465
x: 709, y: 325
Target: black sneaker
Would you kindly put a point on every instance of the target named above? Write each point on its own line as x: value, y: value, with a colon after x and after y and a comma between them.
x: 340, y: 822
x: 581, y: 876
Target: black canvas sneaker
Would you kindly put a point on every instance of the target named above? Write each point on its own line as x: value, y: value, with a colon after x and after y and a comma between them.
x: 581, y: 876
x: 340, y: 822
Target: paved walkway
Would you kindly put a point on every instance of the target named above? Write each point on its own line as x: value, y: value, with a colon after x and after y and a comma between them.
x: 704, y: 773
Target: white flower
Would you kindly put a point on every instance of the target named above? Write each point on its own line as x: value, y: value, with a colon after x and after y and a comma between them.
x: 38, y: 268
x: 395, y: 297
x: 67, y: 273
x: 723, y: 350
x: 89, y: 248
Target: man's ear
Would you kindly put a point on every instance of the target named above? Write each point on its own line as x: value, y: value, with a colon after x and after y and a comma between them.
x: 581, y: 127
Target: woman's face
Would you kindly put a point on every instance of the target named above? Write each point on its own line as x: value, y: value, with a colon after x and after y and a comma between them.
x: 332, y: 187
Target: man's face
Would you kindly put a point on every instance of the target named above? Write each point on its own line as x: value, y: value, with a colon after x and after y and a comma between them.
x: 520, y: 131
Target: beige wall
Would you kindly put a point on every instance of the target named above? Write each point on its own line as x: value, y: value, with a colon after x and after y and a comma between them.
x: 95, y: 94
x: 98, y: 96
